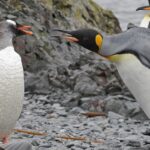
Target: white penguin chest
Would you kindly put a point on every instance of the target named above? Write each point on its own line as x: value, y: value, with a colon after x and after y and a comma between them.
x: 137, y: 78
x: 11, y: 88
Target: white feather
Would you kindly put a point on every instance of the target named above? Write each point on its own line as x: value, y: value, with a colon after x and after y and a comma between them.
x: 145, y: 22
x: 11, y: 22
x: 137, y: 78
x: 11, y: 89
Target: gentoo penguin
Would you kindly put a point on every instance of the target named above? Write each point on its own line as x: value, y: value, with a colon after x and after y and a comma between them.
x: 129, y: 50
x: 11, y: 77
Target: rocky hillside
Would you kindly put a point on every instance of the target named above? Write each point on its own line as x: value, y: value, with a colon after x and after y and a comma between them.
x: 42, y: 54
x: 64, y: 81
x: 67, y: 73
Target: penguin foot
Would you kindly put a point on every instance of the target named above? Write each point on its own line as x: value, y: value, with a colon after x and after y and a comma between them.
x: 5, y: 140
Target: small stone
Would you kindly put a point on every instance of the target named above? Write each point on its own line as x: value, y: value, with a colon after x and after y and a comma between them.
x: 70, y: 145
x: 133, y: 143
x: 35, y: 143
x: 147, y: 132
x: 76, y: 110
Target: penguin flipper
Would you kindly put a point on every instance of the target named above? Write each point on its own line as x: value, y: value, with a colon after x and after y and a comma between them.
x: 144, y: 61
x: 131, y: 25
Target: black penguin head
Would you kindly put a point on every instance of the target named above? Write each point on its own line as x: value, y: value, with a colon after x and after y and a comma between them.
x: 15, y: 28
x: 88, y: 38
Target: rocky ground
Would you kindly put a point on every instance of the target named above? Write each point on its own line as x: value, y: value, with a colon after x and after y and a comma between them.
x: 71, y: 129
x: 64, y: 81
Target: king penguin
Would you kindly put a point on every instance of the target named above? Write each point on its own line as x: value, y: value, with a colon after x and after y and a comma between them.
x: 130, y: 52
x: 146, y: 20
x: 11, y: 77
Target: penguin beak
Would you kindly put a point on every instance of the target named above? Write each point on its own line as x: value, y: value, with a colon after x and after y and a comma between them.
x: 143, y: 8
x: 25, y: 29
x: 69, y: 37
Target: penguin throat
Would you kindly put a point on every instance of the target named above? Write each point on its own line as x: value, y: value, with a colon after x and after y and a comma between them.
x: 146, y: 21
x: 5, y: 40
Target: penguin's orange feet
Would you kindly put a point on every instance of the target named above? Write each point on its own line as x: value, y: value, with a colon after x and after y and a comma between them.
x: 5, y: 140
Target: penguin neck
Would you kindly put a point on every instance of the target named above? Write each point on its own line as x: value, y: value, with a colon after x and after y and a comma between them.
x: 116, y: 42
x: 5, y: 40
x: 146, y: 21
x: 126, y: 57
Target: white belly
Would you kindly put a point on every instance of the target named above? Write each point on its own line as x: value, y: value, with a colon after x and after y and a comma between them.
x: 137, y: 78
x: 11, y: 89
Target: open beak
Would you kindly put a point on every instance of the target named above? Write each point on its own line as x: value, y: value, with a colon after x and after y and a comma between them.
x: 25, y: 29
x: 69, y: 36
x: 71, y: 39
x: 143, y: 8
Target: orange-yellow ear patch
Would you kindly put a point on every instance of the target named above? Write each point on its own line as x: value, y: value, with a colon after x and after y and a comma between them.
x: 98, y: 40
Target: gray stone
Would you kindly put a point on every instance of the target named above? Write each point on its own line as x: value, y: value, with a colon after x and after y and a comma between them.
x: 113, y: 115
x: 85, y: 85
x: 133, y: 143
x: 76, y: 110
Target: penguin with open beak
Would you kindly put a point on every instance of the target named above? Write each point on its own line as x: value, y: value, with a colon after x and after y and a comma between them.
x: 11, y: 77
x: 129, y: 50
x: 135, y: 41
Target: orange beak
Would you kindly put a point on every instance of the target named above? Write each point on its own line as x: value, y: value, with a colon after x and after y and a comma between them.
x: 143, y: 8
x: 71, y: 39
x: 25, y: 29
